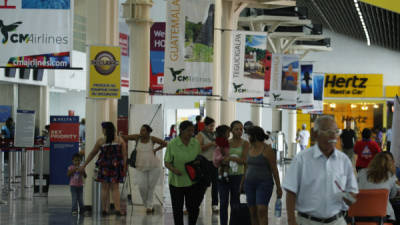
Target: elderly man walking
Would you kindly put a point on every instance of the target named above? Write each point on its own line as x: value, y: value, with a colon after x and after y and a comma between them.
x: 318, y: 178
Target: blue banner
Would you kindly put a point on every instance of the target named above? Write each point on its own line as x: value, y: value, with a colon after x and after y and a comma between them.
x: 5, y: 112
x: 64, y: 143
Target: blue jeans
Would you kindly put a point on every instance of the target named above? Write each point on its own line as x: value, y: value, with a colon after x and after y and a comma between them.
x: 224, y: 189
x: 77, y: 198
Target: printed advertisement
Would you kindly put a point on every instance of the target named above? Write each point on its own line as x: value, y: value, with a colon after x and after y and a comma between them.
x: 64, y: 143
x: 306, y: 97
x: 104, y: 72
x: 125, y: 62
x: 189, y: 47
x: 353, y: 85
x: 249, y: 53
x: 318, y: 93
x: 24, y: 128
x: 36, y: 33
x: 5, y: 112
x: 284, y: 79
x: 267, y: 80
x: 157, y: 54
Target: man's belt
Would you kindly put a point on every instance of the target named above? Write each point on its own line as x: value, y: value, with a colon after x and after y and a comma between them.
x: 320, y: 220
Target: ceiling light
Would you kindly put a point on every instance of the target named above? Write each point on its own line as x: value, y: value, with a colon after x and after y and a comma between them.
x: 353, y: 106
x: 332, y: 105
x: 376, y: 106
x: 364, y: 107
x: 362, y: 22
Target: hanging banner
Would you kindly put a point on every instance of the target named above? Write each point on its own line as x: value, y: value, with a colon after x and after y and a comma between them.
x: 64, y: 143
x: 306, y: 97
x: 157, y: 55
x: 395, y: 145
x: 104, y: 72
x: 284, y: 76
x: 267, y: 80
x: 24, y: 128
x: 353, y: 85
x: 5, y: 113
x: 125, y: 62
x: 249, y: 53
x: 36, y: 34
x: 189, y: 44
x: 318, y: 93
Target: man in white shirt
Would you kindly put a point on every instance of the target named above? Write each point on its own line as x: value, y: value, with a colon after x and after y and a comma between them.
x: 303, y: 137
x: 316, y: 179
x: 388, y: 139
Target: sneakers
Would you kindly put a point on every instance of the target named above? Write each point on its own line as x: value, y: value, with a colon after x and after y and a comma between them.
x: 215, y: 209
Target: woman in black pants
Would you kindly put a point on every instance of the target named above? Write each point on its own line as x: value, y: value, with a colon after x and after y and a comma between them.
x: 181, y: 150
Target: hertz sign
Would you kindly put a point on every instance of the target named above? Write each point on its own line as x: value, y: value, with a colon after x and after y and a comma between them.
x: 353, y: 85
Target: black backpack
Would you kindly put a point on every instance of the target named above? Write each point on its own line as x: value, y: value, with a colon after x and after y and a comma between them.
x: 198, y: 171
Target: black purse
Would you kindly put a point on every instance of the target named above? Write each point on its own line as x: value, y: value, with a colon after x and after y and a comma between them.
x: 132, y: 158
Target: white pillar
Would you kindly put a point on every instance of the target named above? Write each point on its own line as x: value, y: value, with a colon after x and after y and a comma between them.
x: 256, y: 111
x: 230, y: 14
x: 276, y: 119
x: 291, y: 137
x: 15, y: 101
x: 212, y: 105
x: 100, y: 31
x: 44, y: 108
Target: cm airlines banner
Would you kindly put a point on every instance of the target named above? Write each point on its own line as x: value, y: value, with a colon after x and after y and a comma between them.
x: 189, y: 44
x: 353, y: 85
x: 248, y: 60
x: 35, y: 33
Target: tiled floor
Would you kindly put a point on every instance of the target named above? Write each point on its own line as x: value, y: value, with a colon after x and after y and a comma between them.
x: 57, y: 211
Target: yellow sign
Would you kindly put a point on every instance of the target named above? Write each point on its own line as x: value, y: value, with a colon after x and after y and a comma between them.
x: 353, y: 85
x: 104, y: 72
x: 391, y: 5
x: 392, y: 91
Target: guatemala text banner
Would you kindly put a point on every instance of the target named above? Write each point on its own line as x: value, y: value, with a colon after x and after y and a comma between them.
x: 189, y: 44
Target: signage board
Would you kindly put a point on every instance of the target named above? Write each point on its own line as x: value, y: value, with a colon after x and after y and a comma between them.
x: 353, y: 85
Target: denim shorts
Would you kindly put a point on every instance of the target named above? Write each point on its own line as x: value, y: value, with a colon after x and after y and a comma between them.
x: 258, y: 192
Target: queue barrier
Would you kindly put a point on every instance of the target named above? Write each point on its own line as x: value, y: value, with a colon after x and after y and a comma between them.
x: 19, y: 172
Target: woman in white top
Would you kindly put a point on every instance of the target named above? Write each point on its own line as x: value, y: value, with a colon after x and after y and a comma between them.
x: 380, y: 174
x: 148, y: 165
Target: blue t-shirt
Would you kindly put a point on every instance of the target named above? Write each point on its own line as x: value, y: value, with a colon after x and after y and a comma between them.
x: 7, y: 131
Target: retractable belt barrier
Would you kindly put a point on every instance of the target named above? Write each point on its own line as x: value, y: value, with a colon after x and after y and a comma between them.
x: 19, y: 169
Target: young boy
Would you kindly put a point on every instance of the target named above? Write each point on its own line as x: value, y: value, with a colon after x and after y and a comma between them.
x: 76, y: 183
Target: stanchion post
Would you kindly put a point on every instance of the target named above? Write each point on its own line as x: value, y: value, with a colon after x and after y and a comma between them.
x: 41, y: 171
x: 23, y: 172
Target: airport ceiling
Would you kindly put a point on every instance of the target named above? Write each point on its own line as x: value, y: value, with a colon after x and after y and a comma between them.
x: 341, y: 16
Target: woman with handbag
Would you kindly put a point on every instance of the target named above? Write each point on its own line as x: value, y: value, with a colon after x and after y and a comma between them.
x: 112, y: 165
x: 180, y: 151
x: 147, y: 163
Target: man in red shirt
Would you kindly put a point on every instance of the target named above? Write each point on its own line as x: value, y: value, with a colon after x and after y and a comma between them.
x: 366, y: 149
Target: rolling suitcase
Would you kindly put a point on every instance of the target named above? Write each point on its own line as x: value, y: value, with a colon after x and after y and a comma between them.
x: 240, y: 215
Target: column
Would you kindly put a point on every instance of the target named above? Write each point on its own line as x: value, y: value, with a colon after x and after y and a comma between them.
x: 230, y: 14
x: 100, y: 31
x: 276, y: 120
x: 256, y: 111
x: 44, y: 107
x: 213, y: 108
x: 291, y: 136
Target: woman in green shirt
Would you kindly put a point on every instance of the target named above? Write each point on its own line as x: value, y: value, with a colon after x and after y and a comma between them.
x: 181, y: 150
x: 238, y: 149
